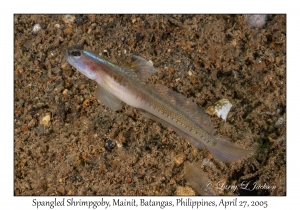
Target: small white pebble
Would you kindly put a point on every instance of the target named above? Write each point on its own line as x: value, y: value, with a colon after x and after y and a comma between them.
x: 57, y: 25
x: 280, y: 122
x: 45, y: 120
x: 207, y: 162
x: 36, y: 27
x: 151, y: 62
x: 119, y: 144
x: 65, y: 92
x: 256, y: 21
x: 234, y: 74
x: 68, y: 19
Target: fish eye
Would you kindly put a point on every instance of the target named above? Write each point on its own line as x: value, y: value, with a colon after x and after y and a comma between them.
x: 75, y: 53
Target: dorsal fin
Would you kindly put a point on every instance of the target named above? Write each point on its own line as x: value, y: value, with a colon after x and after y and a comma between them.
x: 188, y: 106
x: 137, y: 66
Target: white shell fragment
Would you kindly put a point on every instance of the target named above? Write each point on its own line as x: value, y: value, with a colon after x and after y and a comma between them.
x: 221, y: 108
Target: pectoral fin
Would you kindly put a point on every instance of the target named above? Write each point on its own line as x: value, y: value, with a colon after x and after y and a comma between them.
x: 108, y: 99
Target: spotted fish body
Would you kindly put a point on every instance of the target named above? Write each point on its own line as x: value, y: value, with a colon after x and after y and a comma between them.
x: 118, y: 84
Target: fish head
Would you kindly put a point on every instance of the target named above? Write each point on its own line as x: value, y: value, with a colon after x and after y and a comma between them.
x: 83, y: 61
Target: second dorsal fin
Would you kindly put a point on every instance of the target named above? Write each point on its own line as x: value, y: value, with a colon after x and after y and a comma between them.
x: 188, y: 106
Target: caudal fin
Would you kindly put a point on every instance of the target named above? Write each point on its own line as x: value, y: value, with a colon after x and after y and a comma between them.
x: 227, y: 151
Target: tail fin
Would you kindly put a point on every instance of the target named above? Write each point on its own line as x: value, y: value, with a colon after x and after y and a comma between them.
x: 227, y: 151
